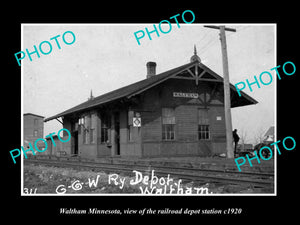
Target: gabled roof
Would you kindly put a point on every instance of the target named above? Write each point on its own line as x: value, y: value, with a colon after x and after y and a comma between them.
x: 143, y: 85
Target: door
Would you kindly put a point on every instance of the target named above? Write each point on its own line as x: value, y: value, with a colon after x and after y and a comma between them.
x: 74, y: 146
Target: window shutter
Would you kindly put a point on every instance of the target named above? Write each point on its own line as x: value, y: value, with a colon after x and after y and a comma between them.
x: 130, y: 117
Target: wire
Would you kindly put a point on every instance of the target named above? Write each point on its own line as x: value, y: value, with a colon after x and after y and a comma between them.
x: 205, y: 35
x: 208, y: 45
x: 213, y: 40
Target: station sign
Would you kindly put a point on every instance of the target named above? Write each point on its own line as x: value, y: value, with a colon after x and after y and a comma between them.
x: 185, y: 95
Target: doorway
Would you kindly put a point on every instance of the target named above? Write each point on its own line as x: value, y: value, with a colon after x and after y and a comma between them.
x: 74, y: 146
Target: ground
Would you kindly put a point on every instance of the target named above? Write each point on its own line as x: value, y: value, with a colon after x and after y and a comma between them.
x: 41, y: 179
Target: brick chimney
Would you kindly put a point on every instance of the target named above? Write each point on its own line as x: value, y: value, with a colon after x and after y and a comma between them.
x: 151, y: 69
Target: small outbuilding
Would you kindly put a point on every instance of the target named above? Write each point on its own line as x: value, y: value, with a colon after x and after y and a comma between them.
x: 33, y: 128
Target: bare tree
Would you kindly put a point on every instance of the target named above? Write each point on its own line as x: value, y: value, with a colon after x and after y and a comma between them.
x: 243, y: 137
x: 259, y: 135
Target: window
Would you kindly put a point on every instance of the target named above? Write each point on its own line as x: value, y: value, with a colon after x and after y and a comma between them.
x: 203, y: 124
x: 86, y: 122
x: 35, y: 133
x: 35, y: 122
x: 92, y: 128
x: 168, y: 132
x: 203, y: 132
x: 105, y: 125
x: 168, y: 124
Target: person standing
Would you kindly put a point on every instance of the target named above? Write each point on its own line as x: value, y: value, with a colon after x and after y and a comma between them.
x: 236, y: 139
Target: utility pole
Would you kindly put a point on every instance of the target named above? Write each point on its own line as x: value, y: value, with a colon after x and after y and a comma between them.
x: 227, y: 101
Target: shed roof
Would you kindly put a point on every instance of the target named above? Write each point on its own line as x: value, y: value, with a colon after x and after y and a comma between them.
x: 141, y: 86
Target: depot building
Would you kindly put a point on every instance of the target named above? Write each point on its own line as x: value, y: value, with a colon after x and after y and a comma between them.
x: 179, y: 112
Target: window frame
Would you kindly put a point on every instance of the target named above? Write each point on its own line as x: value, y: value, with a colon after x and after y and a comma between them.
x: 168, y: 125
x: 203, y: 125
x: 105, y: 126
x: 92, y: 135
x: 203, y: 132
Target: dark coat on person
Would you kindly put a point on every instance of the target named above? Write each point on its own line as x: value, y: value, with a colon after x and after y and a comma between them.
x: 236, y: 137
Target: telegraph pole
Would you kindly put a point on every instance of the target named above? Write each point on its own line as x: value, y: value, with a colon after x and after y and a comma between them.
x: 227, y: 101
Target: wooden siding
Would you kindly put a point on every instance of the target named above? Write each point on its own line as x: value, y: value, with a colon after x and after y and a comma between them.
x: 147, y: 140
x: 186, y: 115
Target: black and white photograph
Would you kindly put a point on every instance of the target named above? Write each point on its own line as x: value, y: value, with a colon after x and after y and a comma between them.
x: 148, y: 116
x: 131, y: 112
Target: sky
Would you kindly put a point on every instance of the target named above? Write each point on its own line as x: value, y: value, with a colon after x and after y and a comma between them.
x: 105, y: 57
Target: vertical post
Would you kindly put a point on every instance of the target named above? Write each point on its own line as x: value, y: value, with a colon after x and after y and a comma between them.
x: 227, y: 103
x: 227, y: 100
x: 113, y: 135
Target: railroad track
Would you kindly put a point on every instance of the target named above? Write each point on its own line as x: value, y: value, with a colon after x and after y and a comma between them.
x: 253, y: 179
